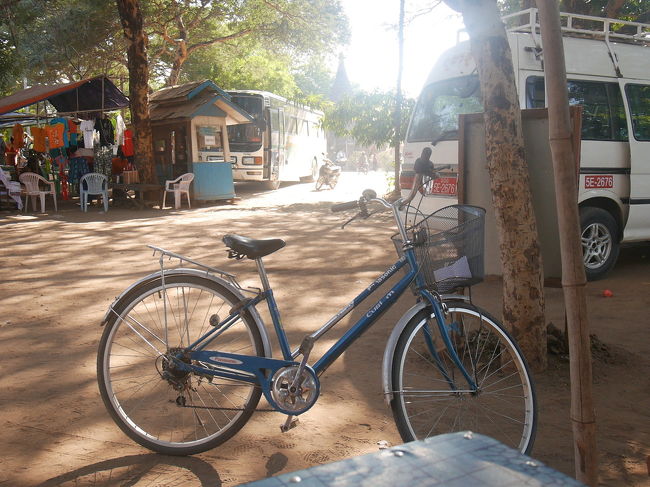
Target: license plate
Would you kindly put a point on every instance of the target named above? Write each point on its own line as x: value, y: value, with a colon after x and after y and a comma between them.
x: 598, y: 182
x: 444, y: 186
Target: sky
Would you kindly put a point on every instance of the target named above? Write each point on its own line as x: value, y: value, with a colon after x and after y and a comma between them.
x: 371, y: 59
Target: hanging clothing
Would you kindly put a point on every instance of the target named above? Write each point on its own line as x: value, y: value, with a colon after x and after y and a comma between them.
x: 38, y: 134
x: 18, y: 133
x: 73, y: 130
x: 120, y: 127
x: 77, y: 168
x: 55, y: 135
x: 127, y: 146
x: 106, y: 132
x: 87, y: 128
x: 64, y: 122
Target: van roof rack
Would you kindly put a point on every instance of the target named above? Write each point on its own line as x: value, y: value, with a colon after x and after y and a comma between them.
x: 585, y: 26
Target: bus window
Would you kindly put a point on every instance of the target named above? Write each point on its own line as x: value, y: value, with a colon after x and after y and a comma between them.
x: 439, y: 105
x: 603, y: 114
x: 638, y: 98
x: 293, y: 125
x: 275, y: 120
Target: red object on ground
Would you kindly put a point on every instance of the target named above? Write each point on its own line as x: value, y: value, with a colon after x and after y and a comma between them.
x: 607, y: 293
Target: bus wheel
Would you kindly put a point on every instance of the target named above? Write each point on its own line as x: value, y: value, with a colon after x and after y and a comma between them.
x: 600, y: 247
x: 271, y: 184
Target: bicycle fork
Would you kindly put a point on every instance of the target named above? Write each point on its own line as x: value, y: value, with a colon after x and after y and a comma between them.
x: 439, y: 312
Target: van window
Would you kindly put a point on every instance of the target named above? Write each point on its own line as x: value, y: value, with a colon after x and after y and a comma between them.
x: 638, y: 98
x: 439, y: 105
x: 603, y: 113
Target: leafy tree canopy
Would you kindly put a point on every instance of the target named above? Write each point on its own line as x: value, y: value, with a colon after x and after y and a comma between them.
x: 256, y: 43
x: 367, y: 117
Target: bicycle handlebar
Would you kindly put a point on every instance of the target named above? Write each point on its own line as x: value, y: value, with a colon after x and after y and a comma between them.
x: 349, y: 205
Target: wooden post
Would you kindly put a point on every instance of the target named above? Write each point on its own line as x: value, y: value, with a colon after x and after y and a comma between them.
x: 583, y: 419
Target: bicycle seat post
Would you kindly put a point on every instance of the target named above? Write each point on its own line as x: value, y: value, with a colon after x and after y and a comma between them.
x: 261, y: 271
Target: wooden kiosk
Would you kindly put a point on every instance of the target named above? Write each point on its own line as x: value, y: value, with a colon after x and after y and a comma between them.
x: 189, y: 126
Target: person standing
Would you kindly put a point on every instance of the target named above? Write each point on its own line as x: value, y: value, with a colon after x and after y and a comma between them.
x: 3, y: 149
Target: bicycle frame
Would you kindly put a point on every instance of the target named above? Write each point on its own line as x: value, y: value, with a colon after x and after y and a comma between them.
x: 260, y: 370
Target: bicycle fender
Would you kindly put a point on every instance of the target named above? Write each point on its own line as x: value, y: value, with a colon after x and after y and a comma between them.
x: 389, y: 351
x: 195, y: 272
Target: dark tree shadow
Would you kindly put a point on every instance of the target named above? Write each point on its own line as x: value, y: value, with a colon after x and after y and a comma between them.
x: 129, y: 470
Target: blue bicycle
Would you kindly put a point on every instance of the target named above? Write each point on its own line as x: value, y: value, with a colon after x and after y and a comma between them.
x: 185, y: 357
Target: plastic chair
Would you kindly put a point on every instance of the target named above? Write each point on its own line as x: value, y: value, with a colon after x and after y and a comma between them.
x: 10, y: 190
x: 93, y: 183
x: 33, y: 188
x: 179, y: 186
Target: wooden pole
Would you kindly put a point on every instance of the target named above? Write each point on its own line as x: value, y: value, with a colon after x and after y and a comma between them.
x: 583, y: 420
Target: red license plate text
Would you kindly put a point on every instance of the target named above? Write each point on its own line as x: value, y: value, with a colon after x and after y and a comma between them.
x: 444, y: 186
x: 598, y: 182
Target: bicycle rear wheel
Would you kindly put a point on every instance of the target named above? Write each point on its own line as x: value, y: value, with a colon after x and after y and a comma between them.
x: 431, y: 396
x: 162, y: 408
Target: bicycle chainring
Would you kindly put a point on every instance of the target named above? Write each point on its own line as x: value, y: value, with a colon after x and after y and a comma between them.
x: 294, y: 400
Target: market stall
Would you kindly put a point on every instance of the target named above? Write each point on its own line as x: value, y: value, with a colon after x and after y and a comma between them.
x: 70, y: 130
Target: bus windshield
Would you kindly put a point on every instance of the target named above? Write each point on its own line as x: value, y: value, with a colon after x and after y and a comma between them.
x: 436, y: 113
x: 247, y: 137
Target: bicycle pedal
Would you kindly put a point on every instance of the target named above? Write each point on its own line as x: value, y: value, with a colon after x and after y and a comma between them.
x: 289, y: 424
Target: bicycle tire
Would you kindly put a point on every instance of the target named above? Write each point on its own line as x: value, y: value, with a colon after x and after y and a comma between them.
x: 146, y: 406
x: 424, y: 404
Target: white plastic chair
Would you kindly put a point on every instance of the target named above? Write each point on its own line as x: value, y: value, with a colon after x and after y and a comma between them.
x: 10, y: 189
x: 179, y: 186
x: 33, y: 188
x: 93, y: 183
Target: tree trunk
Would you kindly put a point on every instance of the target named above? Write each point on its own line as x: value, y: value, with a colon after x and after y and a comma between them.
x: 132, y: 23
x: 583, y: 417
x: 398, y: 96
x: 523, y: 295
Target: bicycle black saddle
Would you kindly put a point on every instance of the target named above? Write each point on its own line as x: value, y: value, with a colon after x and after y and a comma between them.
x: 251, y: 248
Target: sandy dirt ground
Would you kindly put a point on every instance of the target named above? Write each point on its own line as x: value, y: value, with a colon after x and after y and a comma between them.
x: 60, y: 272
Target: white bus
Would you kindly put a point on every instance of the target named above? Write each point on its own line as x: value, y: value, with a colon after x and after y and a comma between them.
x: 608, y: 74
x: 285, y: 143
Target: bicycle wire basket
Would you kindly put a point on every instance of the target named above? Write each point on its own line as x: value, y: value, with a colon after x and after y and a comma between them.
x: 448, y: 247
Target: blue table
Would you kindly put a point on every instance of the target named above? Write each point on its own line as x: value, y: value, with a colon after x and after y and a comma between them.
x: 451, y: 460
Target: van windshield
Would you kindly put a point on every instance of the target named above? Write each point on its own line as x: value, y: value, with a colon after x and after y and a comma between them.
x: 436, y: 113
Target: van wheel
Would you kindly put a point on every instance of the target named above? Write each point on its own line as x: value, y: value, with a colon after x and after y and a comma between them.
x: 600, y: 247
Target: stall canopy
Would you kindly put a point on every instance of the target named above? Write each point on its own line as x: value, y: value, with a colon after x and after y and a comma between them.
x: 88, y: 95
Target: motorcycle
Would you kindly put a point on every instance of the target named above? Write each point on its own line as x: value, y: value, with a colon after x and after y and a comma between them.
x: 328, y: 174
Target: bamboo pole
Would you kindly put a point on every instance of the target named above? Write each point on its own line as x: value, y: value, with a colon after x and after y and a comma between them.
x: 583, y: 420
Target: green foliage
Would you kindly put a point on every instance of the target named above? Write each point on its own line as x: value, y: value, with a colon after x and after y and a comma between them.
x: 65, y: 40
x: 367, y: 117
x: 279, y: 45
x: 633, y: 10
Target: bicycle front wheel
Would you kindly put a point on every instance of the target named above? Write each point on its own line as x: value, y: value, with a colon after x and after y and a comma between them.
x: 431, y: 396
x: 163, y: 408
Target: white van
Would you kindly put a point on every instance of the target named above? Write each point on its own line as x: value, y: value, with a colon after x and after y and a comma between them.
x: 608, y: 74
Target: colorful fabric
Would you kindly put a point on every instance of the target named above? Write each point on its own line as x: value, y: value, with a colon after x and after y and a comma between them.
x: 77, y: 168
x: 38, y: 134
x: 55, y: 135
x: 127, y: 147
x: 64, y: 122
x: 18, y: 133
x: 73, y: 130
